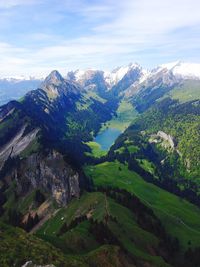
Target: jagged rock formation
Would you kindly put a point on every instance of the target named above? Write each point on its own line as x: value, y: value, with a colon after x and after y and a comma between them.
x: 50, y: 173
x: 56, y: 86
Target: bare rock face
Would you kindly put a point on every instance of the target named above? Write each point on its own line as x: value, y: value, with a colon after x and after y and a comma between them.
x: 50, y: 173
x: 167, y: 141
x: 17, y: 144
x: 167, y: 138
x: 31, y: 264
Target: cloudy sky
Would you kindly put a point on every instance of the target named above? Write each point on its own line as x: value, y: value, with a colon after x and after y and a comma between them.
x: 37, y: 36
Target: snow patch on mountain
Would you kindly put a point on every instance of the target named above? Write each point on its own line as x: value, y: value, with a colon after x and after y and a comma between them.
x: 113, y: 77
x: 81, y: 75
x: 188, y: 70
x: 145, y: 74
x: 184, y: 70
x: 170, y: 66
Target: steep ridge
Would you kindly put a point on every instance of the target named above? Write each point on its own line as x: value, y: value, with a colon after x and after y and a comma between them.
x: 36, y: 155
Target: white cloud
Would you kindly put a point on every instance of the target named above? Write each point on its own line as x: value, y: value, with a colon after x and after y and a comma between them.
x: 118, y: 31
x: 13, y: 3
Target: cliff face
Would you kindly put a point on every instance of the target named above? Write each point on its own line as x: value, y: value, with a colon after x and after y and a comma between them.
x: 17, y: 144
x: 50, y: 173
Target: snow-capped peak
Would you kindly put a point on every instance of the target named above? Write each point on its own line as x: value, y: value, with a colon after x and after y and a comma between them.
x: 118, y: 73
x: 171, y: 65
x: 187, y: 70
x: 184, y: 70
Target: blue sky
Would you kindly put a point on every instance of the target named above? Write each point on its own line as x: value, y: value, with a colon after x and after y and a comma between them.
x: 37, y: 36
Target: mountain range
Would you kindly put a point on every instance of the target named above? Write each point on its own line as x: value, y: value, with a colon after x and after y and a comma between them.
x: 134, y: 204
x: 16, y: 86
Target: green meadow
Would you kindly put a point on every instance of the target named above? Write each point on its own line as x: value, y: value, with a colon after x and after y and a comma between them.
x: 180, y: 218
x: 189, y: 90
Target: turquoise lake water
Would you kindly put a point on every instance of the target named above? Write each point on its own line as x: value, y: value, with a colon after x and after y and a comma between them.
x: 107, y: 137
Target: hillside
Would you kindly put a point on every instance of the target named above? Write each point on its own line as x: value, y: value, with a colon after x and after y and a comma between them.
x: 17, y: 247
x: 163, y: 146
x: 97, y: 219
x: 180, y: 218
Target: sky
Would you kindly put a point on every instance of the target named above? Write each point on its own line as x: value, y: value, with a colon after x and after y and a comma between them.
x: 37, y: 36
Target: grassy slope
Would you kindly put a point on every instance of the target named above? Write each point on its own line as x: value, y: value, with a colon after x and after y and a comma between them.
x: 17, y: 247
x: 189, y: 90
x: 126, y: 229
x: 96, y: 152
x: 147, y: 165
x: 180, y: 218
x: 87, y: 100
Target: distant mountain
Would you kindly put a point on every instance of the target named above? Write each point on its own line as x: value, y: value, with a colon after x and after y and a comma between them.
x: 124, y: 80
x: 90, y: 80
x: 115, y: 76
x: 165, y: 80
x: 129, y: 80
x: 14, y: 88
x: 108, y: 79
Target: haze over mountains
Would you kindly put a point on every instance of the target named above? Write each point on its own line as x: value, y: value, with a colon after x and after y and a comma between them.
x: 14, y: 88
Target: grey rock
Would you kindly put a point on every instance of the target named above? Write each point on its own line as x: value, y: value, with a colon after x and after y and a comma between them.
x: 17, y: 144
x: 49, y: 172
x: 167, y: 138
x: 31, y: 264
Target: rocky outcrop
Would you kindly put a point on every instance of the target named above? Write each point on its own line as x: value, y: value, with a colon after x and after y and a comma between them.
x: 31, y: 264
x: 17, y: 144
x: 49, y: 172
x: 167, y: 138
